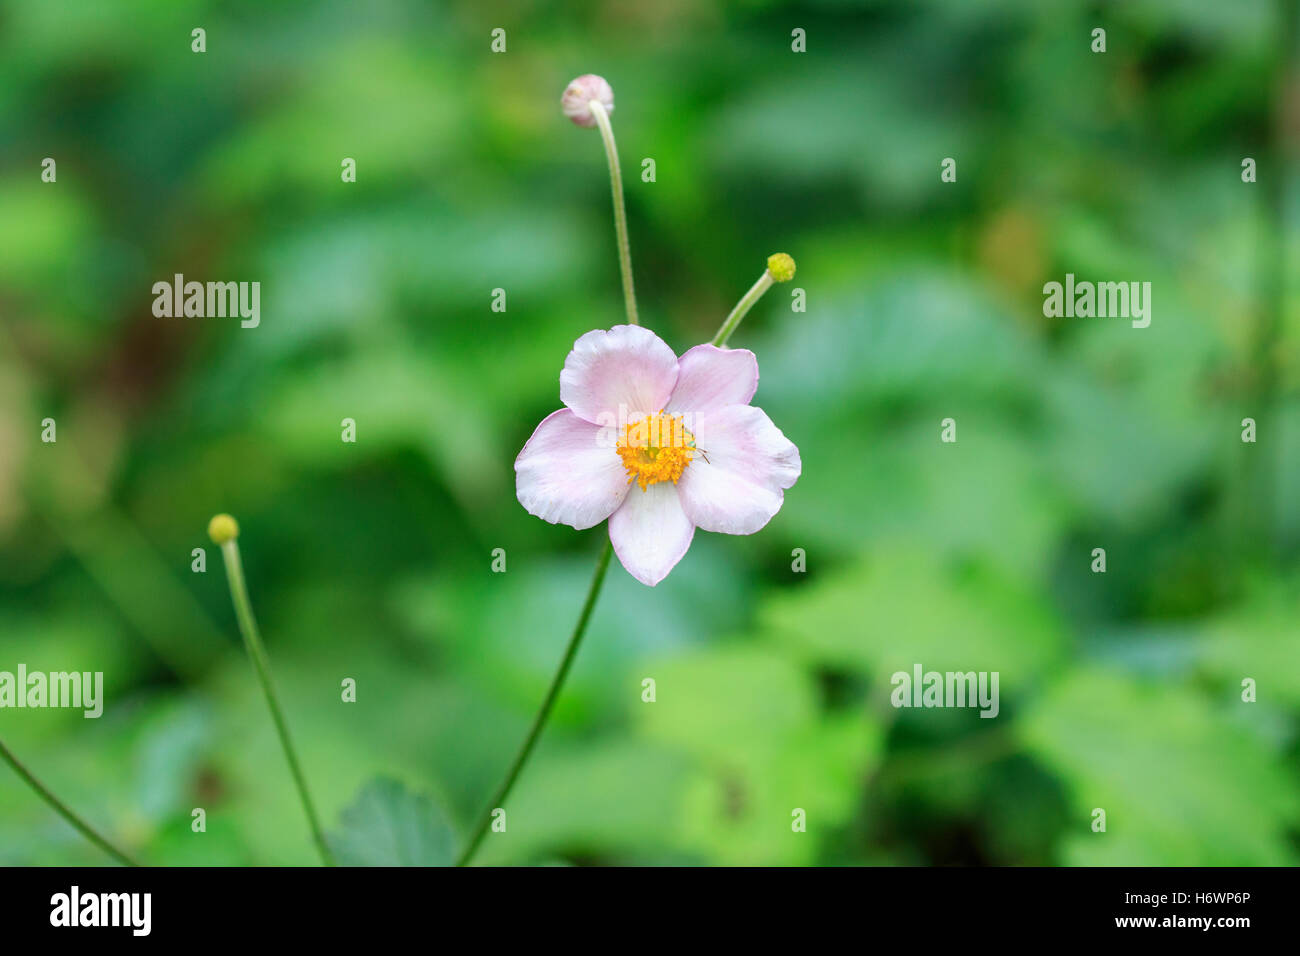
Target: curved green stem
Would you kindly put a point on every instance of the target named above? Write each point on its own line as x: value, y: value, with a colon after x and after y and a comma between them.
x: 84, y: 828
x: 557, y: 682
x: 620, y: 215
x: 742, y: 307
x: 253, y: 641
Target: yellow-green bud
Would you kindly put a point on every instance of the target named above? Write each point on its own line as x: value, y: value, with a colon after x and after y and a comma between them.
x: 223, y: 528
x: 781, y: 267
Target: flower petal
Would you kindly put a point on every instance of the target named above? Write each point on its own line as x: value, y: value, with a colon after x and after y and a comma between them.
x: 627, y: 370
x: 567, y: 475
x: 750, y: 464
x: 651, y: 532
x: 709, y: 377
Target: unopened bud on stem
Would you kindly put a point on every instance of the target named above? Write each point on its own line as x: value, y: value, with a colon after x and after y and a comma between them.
x: 223, y: 528
x: 576, y: 101
x: 588, y: 101
x: 781, y: 266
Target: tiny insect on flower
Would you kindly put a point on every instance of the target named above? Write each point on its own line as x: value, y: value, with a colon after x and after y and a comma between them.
x: 688, y: 450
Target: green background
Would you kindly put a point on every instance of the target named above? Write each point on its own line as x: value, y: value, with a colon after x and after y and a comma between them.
x: 924, y: 301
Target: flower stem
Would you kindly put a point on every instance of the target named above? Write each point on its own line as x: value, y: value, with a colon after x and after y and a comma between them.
x: 84, y: 828
x: 742, y: 307
x: 557, y: 682
x: 253, y: 642
x: 620, y: 215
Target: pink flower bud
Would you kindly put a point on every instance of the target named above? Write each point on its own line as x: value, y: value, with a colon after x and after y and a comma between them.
x: 576, y: 101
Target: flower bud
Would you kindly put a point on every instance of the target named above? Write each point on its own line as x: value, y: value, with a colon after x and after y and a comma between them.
x: 781, y: 267
x: 576, y: 101
x: 223, y: 528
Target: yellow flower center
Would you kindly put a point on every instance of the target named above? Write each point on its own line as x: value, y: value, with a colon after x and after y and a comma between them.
x: 657, y: 448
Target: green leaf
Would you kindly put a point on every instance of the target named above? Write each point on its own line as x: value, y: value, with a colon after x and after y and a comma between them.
x: 388, y: 825
x: 1183, y: 782
x: 749, y: 716
x: 902, y: 605
x: 1258, y: 639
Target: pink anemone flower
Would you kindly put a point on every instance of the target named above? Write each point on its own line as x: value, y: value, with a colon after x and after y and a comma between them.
x: 658, y: 445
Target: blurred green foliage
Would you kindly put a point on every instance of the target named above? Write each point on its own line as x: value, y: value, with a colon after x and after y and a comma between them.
x: 373, y: 561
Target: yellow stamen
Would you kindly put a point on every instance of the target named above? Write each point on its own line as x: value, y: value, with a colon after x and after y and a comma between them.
x: 656, y: 448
